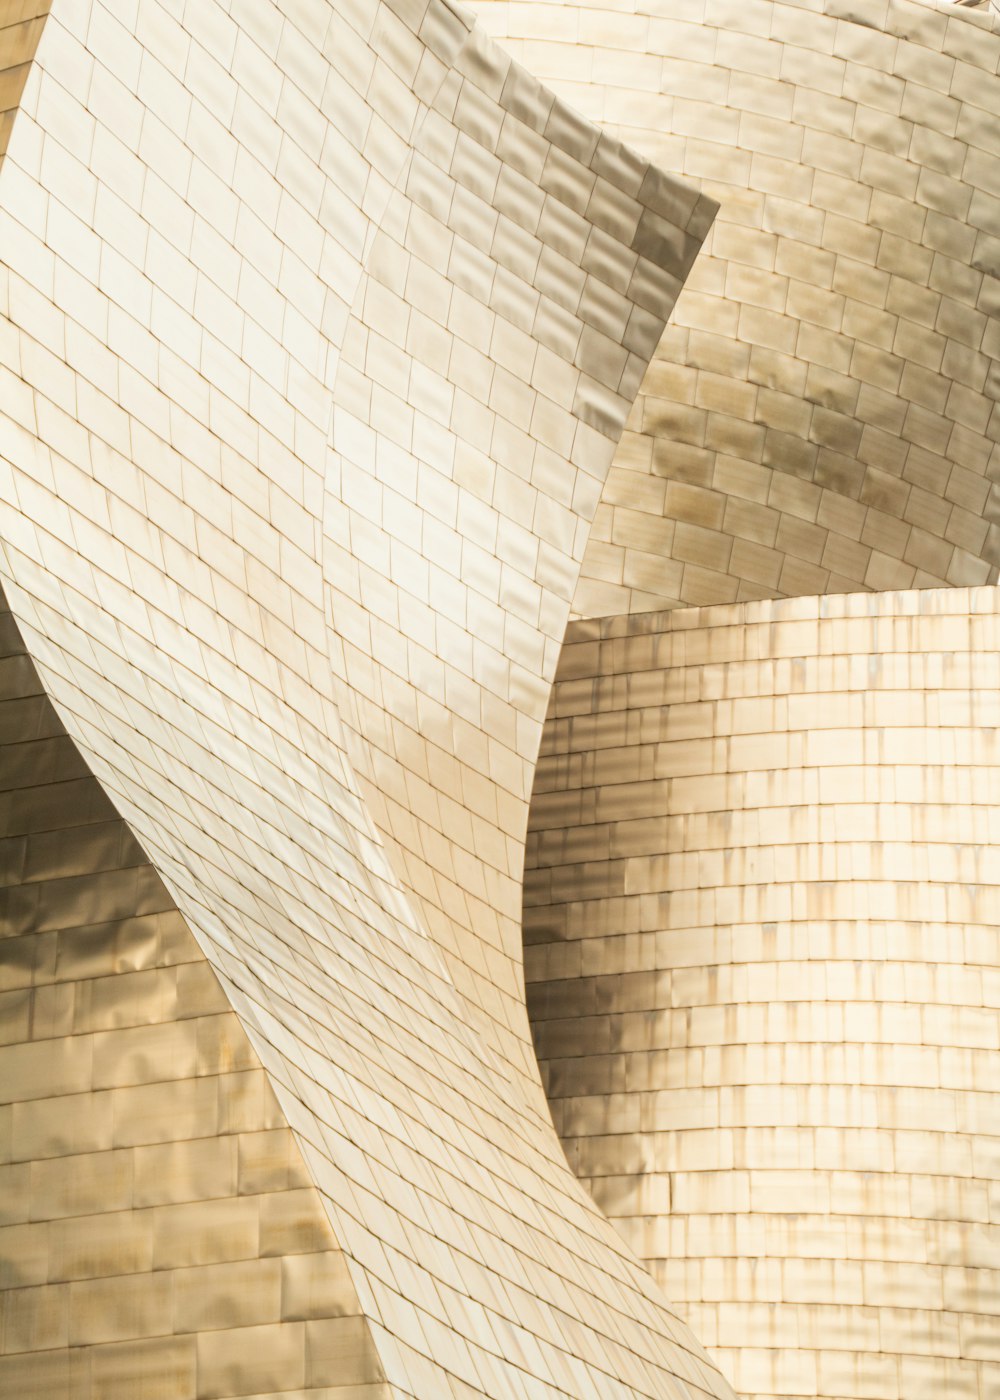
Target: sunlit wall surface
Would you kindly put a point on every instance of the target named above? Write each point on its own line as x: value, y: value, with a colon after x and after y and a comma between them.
x: 321, y: 328
x: 318, y: 329
x: 761, y: 957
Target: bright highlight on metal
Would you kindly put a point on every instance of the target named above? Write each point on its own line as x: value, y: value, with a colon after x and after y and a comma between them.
x: 335, y: 380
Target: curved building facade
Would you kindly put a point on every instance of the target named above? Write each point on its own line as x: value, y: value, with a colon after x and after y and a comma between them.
x: 763, y: 968
x: 327, y: 333
x: 161, y: 1233
x: 821, y: 415
x: 759, y: 939
x: 319, y: 329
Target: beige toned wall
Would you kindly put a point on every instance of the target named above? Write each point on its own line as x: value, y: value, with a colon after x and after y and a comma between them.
x: 516, y: 287
x: 21, y: 23
x: 160, y: 1234
x: 276, y: 280
x: 763, y: 964
x: 820, y: 416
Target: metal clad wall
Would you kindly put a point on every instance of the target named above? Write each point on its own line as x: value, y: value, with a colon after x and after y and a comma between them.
x: 763, y: 964
x: 160, y: 1233
x: 820, y: 417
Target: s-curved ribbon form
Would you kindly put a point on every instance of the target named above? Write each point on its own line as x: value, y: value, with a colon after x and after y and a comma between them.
x: 320, y: 325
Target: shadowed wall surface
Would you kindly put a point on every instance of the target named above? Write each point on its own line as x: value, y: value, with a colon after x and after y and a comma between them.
x: 160, y: 1233
x: 21, y: 23
x: 763, y: 964
x: 821, y: 415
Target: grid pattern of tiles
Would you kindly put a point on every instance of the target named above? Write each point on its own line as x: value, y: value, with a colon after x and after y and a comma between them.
x: 763, y: 962
x: 159, y: 1233
x: 21, y: 23
x: 821, y: 414
x: 513, y: 295
x: 200, y: 209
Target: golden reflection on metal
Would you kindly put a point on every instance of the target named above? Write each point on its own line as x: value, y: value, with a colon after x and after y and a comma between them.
x: 763, y: 968
x: 318, y: 330
x: 820, y: 416
x: 159, y: 1230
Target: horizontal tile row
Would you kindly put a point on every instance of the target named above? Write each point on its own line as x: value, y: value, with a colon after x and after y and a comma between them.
x: 820, y: 417
x: 763, y: 974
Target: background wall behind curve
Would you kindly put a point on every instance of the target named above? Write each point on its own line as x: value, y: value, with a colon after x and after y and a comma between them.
x: 763, y: 965
x: 821, y: 416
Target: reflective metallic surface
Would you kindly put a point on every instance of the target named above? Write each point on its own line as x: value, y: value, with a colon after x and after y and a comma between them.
x: 763, y: 963
x: 21, y: 23
x: 160, y: 1233
x: 821, y: 415
x: 319, y: 326
x: 762, y: 957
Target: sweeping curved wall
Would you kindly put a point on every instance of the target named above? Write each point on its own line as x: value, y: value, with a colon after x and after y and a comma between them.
x: 763, y: 967
x: 309, y: 660
x: 161, y: 1234
x: 320, y: 327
